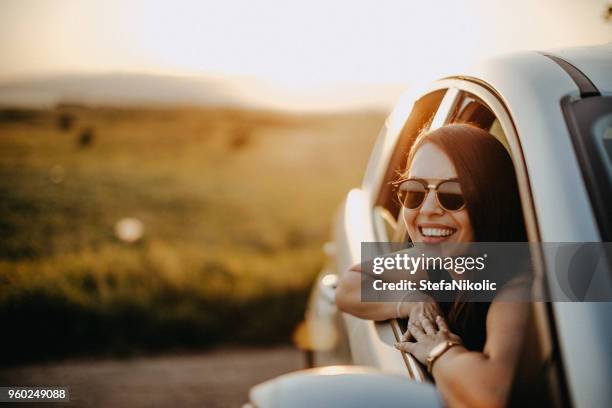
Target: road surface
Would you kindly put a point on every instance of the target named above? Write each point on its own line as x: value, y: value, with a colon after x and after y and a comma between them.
x: 219, y: 378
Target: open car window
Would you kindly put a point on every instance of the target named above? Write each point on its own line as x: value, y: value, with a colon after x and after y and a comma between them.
x: 473, y: 110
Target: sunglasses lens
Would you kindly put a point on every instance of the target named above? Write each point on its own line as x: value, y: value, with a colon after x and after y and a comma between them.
x: 450, y: 196
x: 411, y: 194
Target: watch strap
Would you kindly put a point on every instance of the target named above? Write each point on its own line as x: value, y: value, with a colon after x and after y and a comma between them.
x: 431, y: 359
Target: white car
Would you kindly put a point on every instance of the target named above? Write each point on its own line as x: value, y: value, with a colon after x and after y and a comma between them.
x: 553, y: 111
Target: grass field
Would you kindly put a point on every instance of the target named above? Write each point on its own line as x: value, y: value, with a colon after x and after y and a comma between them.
x: 235, y: 206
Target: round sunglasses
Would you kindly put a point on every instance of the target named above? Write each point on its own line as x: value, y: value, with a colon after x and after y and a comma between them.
x: 412, y: 192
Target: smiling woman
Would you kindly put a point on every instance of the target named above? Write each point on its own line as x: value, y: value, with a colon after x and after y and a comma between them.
x: 458, y: 187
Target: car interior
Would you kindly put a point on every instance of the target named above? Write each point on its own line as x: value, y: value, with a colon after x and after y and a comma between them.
x: 540, y: 365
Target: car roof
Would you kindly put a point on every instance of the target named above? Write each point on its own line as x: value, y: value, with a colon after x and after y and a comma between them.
x: 594, y: 61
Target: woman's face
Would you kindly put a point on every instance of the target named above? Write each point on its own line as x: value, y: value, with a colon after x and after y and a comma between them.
x: 430, y: 223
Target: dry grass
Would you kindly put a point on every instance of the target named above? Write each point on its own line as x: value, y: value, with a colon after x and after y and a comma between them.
x: 235, y: 205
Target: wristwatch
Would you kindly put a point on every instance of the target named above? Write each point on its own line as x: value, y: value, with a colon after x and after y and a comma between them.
x: 437, y: 351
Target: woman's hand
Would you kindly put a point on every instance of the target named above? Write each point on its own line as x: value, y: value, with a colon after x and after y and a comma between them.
x: 428, y: 333
x: 428, y: 308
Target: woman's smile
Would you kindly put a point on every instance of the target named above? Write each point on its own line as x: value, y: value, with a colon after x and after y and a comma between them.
x: 432, y: 233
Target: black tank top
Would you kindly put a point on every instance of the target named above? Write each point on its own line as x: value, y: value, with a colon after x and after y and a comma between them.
x: 468, y: 320
x: 470, y: 323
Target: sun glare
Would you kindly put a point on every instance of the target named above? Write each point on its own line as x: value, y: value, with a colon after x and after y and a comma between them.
x: 306, y: 48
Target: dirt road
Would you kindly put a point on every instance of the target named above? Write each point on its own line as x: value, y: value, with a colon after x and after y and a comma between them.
x: 220, y: 378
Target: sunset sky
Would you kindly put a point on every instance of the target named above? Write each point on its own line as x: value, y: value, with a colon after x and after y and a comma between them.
x: 296, y: 45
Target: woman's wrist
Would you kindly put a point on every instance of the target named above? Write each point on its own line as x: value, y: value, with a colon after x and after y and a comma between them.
x: 447, y: 356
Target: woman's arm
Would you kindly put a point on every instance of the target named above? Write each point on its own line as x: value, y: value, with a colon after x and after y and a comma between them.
x: 484, y: 379
x: 348, y: 299
x: 475, y: 379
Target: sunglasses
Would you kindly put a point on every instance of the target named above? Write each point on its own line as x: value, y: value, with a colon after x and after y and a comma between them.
x: 412, y: 192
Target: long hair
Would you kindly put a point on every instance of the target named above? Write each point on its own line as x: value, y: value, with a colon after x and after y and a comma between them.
x: 488, y: 182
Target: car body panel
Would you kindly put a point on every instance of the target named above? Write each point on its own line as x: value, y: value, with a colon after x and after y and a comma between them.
x: 531, y: 87
x: 595, y: 62
x: 370, y: 345
x: 343, y: 387
x: 564, y: 214
x: 584, y: 333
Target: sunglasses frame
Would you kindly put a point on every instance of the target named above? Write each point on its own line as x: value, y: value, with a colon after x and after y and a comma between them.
x: 428, y: 188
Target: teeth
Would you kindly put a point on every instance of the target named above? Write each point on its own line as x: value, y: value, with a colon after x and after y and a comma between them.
x: 437, y: 232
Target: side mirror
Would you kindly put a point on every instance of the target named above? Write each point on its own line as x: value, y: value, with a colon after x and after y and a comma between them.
x: 343, y: 386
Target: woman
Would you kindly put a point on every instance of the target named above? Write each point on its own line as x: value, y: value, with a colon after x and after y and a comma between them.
x: 472, y: 348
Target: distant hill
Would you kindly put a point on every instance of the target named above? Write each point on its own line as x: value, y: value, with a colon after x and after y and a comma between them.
x: 119, y: 89
x: 128, y: 89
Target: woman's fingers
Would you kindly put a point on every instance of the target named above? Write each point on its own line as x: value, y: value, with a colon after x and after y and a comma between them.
x: 427, y: 325
x: 355, y: 268
x: 431, y: 312
x: 405, y: 346
x: 406, y: 336
x: 416, y: 331
x: 442, y: 326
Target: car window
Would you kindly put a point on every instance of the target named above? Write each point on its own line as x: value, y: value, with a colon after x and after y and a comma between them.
x: 603, y: 133
x: 590, y: 124
x: 473, y: 110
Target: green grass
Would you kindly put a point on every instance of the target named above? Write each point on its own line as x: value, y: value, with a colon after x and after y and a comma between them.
x: 235, y: 206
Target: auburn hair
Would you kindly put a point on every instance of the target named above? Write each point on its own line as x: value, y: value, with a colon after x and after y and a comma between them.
x: 488, y: 183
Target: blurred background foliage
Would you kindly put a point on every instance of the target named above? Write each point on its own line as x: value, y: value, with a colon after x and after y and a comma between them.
x: 231, y: 208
